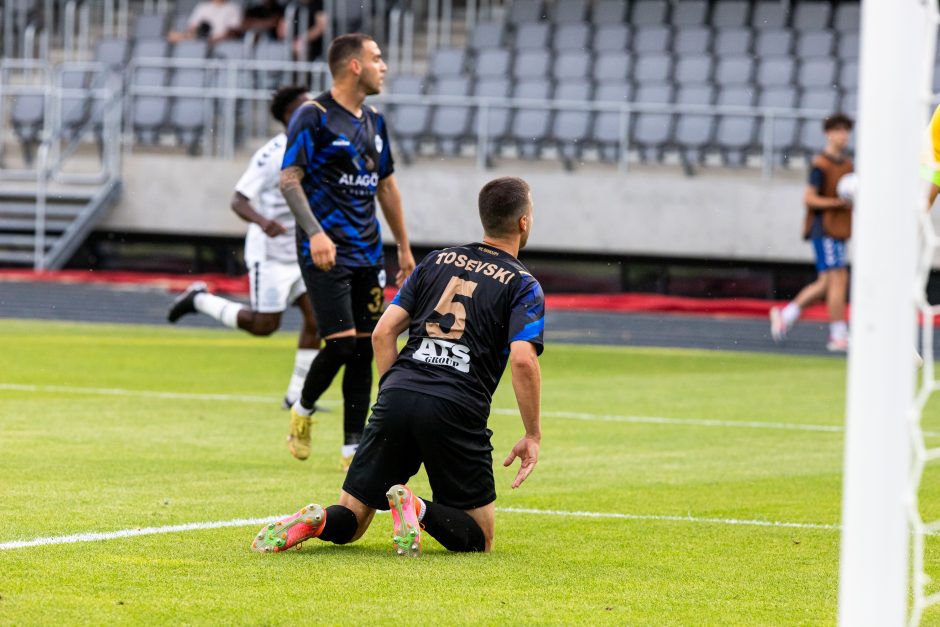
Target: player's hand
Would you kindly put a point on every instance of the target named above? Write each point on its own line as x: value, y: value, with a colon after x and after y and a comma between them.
x: 323, y: 251
x: 273, y: 228
x: 527, y: 450
x: 406, y: 265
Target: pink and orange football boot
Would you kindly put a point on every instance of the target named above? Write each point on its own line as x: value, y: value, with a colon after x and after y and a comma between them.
x: 407, y: 530
x: 290, y: 532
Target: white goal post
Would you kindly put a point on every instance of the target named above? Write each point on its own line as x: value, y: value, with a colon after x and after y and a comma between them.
x: 879, y: 487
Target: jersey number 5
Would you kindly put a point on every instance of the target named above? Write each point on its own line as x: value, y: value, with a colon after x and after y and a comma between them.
x: 447, y: 305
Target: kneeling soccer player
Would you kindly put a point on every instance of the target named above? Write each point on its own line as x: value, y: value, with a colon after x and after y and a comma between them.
x: 468, y: 310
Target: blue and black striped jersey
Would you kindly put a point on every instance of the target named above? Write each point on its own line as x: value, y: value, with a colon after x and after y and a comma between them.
x: 467, y: 305
x: 343, y: 158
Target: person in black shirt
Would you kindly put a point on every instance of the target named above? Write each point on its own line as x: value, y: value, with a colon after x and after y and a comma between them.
x: 469, y: 311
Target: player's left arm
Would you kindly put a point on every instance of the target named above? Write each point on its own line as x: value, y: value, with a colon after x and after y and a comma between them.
x: 390, y: 199
x: 385, y: 336
x: 527, y: 385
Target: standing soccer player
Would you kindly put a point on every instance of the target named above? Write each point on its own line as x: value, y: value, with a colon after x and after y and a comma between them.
x: 270, y: 254
x: 828, y: 225
x: 468, y: 311
x: 338, y: 161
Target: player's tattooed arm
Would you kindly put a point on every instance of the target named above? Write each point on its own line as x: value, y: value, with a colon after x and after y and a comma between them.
x: 390, y: 199
x: 322, y: 248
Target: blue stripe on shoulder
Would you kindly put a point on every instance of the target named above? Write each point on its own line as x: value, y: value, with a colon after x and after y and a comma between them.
x: 530, y: 331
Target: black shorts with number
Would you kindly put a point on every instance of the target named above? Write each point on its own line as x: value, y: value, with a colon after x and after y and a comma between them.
x: 345, y: 298
x: 410, y: 428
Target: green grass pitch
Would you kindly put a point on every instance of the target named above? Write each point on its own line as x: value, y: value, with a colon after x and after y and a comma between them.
x: 77, y: 458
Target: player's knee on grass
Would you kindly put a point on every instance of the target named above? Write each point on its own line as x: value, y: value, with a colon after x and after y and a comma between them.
x: 341, y: 525
x: 264, y: 324
x: 455, y: 529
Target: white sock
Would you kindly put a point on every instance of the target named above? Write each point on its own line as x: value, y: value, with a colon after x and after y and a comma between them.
x: 223, y: 310
x: 300, y: 409
x: 302, y: 361
x: 791, y: 313
x: 348, y: 450
x: 839, y: 330
x: 424, y: 508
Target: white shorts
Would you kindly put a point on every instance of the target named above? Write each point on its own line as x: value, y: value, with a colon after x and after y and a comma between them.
x: 274, y: 285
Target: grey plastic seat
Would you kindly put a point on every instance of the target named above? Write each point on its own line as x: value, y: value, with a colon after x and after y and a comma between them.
x: 773, y: 43
x: 180, y: 22
x: 815, y: 43
x: 734, y: 135
x: 491, y: 63
x: 607, y: 128
x: 817, y: 73
x: 149, y: 112
x: 112, y: 52
x: 811, y: 138
x: 734, y: 71
x: 847, y: 17
x: 570, y: 65
x: 611, y: 38
x: 689, y: 13
x: 450, y: 123
x: 522, y: 11
x: 809, y: 16
x: 570, y: 126
x: 187, y: 116
x: 191, y: 49
x: 26, y: 117
x: 850, y: 103
x: 448, y: 62
x: 694, y: 132
x: 692, y: 40
x: 609, y: 12
x: 151, y: 49
x: 571, y: 36
x: 409, y: 121
x: 694, y: 70
x: 822, y: 99
x: 612, y: 66
x: 568, y: 11
x: 848, y: 46
x: 769, y: 15
x: 731, y: 14
x: 773, y: 71
x: 532, y: 36
x: 652, y: 39
x: 649, y: 13
x: 275, y: 52
x: 487, y: 35
x: 149, y: 26
x: 784, y: 129
x: 530, y: 64
x: 652, y: 68
x: 74, y: 108
x: 653, y: 131
x: 848, y: 76
x: 733, y: 42
x: 497, y: 118
x: 530, y: 126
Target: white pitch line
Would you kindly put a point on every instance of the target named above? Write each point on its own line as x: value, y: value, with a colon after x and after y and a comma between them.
x: 245, y: 522
x: 566, y: 415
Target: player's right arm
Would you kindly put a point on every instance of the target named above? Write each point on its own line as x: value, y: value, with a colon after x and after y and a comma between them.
x: 385, y: 336
x: 527, y: 384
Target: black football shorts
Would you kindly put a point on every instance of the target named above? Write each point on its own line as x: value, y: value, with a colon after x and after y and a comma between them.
x: 345, y: 298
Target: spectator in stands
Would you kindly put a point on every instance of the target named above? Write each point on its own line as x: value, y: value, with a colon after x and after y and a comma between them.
x: 215, y: 20
x: 828, y: 225
x: 264, y: 17
x: 308, y: 42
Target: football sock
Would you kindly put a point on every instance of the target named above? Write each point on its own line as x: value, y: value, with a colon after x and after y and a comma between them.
x: 347, y: 450
x: 453, y: 528
x: 340, y: 525
x: 422, y: 508
x: 302, y: 361
x: 327, y: 363
x: 838, y: 330
x: 223, y: 310
x: 357, y: 390
x: 790, y: 314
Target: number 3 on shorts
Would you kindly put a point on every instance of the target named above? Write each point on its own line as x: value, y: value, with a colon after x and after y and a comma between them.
x: 447, y: 305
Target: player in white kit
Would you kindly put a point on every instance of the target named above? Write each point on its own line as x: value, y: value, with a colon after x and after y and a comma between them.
x: 270, y: 254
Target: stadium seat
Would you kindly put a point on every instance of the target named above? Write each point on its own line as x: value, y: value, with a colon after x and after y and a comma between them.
x: 694, y: 70
x: 652, y: 130
x: 847, y: 17
x: 730, y: 14
x: 775, y: 71
x: 784, y: 129
x: 769, y: 15
x: 487, y: 35
x: 410, y: 121
x: 611, y: 66
x: 188, y: 115
x: 848, y: 76
x: 848, y: 46
x: 571, y: 65
x: 692, y: 40
x: 817, y: 73
x: 773, y: 43
x: 151, y: 49
x: 191, y: 49
x: 522, y: 11
x: 811, y: 138
x: 810, y: 16
x: 694, y: 132
x: 609, y: 12
x: 74, y: 109
x: 149, y: 26
x: 530, y: 126
x: 450, y: 123
x: 448, y: 62
x: 532, y: 36
x: 649, y: 13
x: 652, y: 68
x: 815, y: 43
x: 112, y: 52
x: 530, y: 64
x: 493, y: 62
x: 734, y: 71
x: 497, y: 118
x: 689, y: 13
x: 274, y: 52
x: 572, y: 36
x: 569, y: 11
x: 570, y: 127
x: 652, y: 39
x: 611, y: 38
x: 733, y: 42
x: 607, y: 129
x: 26, y: 116
x: 850, y: 103
x: 149, y: 112
x: 734, y: 135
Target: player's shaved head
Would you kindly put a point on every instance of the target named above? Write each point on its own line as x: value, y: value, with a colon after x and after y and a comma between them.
x: 502, y: 202
x: 344, y: 48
